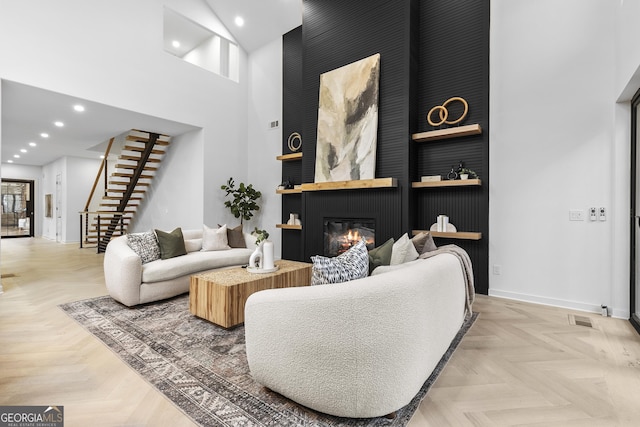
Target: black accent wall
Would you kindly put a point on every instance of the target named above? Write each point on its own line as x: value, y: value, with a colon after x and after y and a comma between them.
x: 430, y: 51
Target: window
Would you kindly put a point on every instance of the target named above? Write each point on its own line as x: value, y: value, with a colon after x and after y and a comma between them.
x: 200, y: 46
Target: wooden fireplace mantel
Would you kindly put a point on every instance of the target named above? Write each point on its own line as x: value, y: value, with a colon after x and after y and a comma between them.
x: 351, y: 185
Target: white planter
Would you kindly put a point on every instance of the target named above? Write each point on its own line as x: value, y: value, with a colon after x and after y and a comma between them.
x: 464, y: 176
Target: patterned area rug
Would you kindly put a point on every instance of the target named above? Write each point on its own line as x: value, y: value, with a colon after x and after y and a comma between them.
x: 202, y: 368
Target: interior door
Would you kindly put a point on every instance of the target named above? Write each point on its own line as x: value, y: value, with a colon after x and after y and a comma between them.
x: 58, y: 208
x: 16, y: 198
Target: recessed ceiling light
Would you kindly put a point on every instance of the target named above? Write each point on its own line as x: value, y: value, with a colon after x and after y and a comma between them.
x: 23, y: 150
x: 59, y: 124
x: 239, y: 21
x: 44, y: 135
x: 32, y: 144
x: 16, y: 156
x: 175, y: 44
x: 102, y: 156
x: 9, y: 161
x: 79, y: 108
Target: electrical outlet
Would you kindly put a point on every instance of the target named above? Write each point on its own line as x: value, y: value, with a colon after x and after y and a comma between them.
x: 603, y: 214
x: 592, y: 214
x: 576, y: 215
x: 497, y: 269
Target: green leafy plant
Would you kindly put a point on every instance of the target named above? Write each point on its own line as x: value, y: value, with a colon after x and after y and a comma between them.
x: 469, y: 172
x: 243, y: 199
x: 261, y: 235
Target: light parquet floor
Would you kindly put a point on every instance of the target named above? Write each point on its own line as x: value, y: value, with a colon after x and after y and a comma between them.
x: 520, y: 364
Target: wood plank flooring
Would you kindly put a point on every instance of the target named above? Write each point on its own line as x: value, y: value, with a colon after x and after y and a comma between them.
x: 520, y: 365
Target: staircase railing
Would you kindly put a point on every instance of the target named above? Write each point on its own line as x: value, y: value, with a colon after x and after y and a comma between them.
x: 122, y: 185
x: 101, y: 169
x: 85, y: 221
x: 124, y: 201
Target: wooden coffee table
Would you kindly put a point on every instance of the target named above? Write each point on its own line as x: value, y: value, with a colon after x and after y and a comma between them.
x: 220, y: 295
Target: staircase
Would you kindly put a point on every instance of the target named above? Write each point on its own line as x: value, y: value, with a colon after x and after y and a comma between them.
x: 124, y: 186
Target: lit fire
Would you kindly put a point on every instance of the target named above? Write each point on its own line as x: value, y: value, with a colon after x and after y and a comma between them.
x: 351, y: 238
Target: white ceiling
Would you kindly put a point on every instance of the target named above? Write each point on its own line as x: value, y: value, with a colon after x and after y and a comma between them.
x: 28, y: 111
x: 264, y: 20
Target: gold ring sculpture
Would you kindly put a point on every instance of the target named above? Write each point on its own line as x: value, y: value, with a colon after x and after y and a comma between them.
x: 443, y: 112
x: 295, y: 136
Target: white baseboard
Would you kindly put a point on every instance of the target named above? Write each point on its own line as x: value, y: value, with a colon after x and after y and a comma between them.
x: 573, y: 305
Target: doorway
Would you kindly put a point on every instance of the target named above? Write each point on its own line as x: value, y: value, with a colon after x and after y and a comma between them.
x: 17, y: 207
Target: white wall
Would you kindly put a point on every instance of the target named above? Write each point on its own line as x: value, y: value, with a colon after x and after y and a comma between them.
x: 173, y: 200
x: 552, y: 136
x: 50, y: 172
x: 79, y: 176
x: 265, y: 106
x: 112, y: 52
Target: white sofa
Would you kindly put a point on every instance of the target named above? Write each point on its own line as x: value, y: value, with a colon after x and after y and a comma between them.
x: 357, y: 349
x: 131, y: 282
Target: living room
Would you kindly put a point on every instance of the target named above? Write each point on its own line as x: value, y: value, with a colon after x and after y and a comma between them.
x: 561, y: 80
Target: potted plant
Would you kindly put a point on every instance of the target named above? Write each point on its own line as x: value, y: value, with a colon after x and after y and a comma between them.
x: 243, y: 199
x: 467, y: 173
x: 261, y: 235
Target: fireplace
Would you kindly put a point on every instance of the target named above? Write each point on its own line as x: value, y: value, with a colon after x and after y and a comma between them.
x: 342, y: 233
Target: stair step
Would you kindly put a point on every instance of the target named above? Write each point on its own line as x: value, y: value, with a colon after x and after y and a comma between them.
x: 145, y: 140
x: 120, y: 198
x: 135, y: 159
x: 148, y: 133
x: 124, y: 190
x: 129, y: 175
x: 127, y: 183
x: 146, y: 168
x: 115, y: 204
x: 141, y: 149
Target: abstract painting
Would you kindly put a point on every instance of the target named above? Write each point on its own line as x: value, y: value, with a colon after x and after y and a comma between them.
x: 348, y: 122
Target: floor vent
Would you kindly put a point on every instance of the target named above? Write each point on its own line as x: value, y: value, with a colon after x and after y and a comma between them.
x: 6, y: 276
x: 580, y: 321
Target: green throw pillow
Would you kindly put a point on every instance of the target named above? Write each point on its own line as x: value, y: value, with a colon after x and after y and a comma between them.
x: 380, y: 255
x: 171, y: 244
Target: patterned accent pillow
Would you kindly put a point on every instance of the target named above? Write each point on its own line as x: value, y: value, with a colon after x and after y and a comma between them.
x: 353, y: 264
x: 145, y: 245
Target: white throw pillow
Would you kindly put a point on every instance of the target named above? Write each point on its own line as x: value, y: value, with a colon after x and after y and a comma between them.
x: 403, y: 251
x: 214, y: 239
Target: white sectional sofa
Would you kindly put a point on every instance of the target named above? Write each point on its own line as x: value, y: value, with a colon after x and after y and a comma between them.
x: 131, y: 282
x: 362, y: 348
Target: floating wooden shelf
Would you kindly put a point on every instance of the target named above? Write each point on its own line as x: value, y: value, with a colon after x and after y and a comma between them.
x: 435, y: 135
x: 447, y: 183
x: 291, y: 191
x: 462, y: 235
x: 289, y: 227
x: 351, y: 185
x: 289, y: 157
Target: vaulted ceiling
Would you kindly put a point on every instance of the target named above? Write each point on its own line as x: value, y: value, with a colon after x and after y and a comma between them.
x: 28, y: 111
